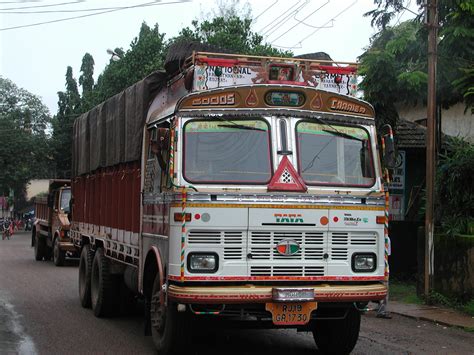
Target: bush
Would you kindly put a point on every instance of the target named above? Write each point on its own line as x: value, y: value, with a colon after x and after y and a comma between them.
x: 454, y: 187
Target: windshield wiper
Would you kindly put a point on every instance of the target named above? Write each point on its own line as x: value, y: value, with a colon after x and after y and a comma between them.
x: 343, y: 135
x: 240, y: 126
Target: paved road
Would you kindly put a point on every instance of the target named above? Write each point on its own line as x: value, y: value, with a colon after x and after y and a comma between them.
x: 40, y: 314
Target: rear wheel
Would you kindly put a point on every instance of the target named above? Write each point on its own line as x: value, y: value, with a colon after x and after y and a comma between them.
x: 104, y: 286
x: 40, y: 247
x: 85, y: 271
x: 59, y: 256
x: 338, y: 336
x: 168, y: 327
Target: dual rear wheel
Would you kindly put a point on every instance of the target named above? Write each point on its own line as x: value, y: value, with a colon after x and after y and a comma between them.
x: 99, y: 288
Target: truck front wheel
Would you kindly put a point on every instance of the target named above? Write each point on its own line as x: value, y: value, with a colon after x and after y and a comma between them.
x: 59, y: 256
x: 168, y: 327
x: 338, y: 336
x: 85, y: 270
x: 104, y: 286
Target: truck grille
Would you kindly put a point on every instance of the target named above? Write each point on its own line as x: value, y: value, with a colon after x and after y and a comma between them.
x: 232, y: 241
x: 339, y: 242
x: 262, y: 245
x: 271, y: 270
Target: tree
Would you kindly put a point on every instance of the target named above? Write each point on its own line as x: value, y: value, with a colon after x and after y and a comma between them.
x: 403, y: 48
x: 146, y: 55
x: 86, y: 81
x: 394, y: 70
x: 24, y: 149
x: 69, y: 106
x: 229, y: 28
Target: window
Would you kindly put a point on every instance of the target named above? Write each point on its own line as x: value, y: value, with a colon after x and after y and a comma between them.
x: 153, y: 171
x: 227, y: 151
x: 65, y: 198
x: 334, y: 155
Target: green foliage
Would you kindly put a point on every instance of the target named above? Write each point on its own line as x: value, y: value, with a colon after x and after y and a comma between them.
x: 394, y: 70
x: 386, y: 10
x: 24, y: 150
x: 404, y: 292
x: 469, y: 308
x: 233, y: 33
x: 146, y: 55
x: 455, y: 74
x: 69, y: 106
x: 454, y: 188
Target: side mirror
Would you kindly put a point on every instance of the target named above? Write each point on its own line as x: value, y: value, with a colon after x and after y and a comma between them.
x: 160, y: 146
x: 163, y: 138
x: 389, y: 151
x: 389, y: 154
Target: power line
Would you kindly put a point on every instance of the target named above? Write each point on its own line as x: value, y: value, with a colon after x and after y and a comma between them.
x: 285, y: 19
x: 276, y: 19
x: 299, y: 22
x: 268, y: 8
x: 331, y: 26
x: 339, y: 14
x: 38, y: 6
x: 66, y: 11
x: 153, y: 3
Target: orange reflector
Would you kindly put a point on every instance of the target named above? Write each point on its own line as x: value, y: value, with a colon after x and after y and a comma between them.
x: 178, y: 217
x: 380, y: 219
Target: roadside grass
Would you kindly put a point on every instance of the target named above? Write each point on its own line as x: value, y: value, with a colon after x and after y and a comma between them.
x: 469, y: 308
x: 404, y: 292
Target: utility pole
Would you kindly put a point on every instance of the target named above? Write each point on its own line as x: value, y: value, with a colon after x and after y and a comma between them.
x: 432, y: 12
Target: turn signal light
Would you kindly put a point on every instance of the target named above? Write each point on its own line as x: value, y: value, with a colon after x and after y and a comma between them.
x: 380, y: 219
x: 178, y: 217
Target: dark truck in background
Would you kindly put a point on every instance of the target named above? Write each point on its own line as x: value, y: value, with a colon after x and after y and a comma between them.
x: 50, y: 232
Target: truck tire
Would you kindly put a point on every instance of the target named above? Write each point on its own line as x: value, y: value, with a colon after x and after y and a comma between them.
x: 85, y: 271
x: 168, y: 327
x: 104, y: 290
x: 40, y: 247
x: 59, y: 256
x: 338, y: 336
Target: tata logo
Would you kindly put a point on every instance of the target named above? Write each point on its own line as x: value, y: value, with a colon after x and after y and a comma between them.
x: 288, y: 218
x: 288, y: 247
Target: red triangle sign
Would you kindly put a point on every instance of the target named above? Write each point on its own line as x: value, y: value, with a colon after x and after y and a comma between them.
x: 286, y: 178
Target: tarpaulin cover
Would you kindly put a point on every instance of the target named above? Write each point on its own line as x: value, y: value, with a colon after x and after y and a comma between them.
x: 111, y: 133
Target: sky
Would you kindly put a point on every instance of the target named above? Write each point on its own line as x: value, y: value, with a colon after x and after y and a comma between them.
x: 36, y: 57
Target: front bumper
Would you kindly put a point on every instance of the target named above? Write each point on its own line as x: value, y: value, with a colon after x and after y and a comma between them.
x: 263, y: 294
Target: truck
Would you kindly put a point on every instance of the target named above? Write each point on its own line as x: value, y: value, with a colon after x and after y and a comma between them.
x: 50, y: 231
x: 233, y: 188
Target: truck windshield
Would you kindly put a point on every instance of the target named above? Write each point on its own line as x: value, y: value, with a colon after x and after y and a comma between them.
x: 227, y: 151
x: 334, y: 155
x: 65, y: 198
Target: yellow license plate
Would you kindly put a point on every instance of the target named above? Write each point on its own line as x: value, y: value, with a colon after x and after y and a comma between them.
x: 291, y: 313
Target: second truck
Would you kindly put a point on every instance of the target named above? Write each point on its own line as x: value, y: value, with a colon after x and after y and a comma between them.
x: 50, y: 232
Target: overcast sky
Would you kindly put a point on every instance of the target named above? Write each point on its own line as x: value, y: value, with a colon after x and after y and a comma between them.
x: 36, y: 57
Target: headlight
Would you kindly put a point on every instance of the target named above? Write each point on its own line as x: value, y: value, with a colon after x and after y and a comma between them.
x: 203, y: 262
x: 364, y: 262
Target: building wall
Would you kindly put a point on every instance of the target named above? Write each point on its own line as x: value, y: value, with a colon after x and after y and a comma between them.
x: 36, y: 187
x: 454, y: 122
